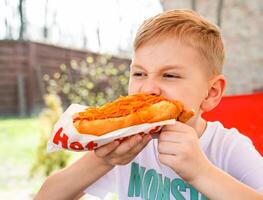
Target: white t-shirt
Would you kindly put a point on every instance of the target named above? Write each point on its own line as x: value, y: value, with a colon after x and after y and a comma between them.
x: 146, y: 178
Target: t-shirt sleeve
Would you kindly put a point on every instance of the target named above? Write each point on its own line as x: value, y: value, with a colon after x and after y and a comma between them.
x: 245, y: 163
x: 104, y: 185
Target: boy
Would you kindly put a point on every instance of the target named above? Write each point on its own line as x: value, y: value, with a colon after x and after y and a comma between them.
x: 177, y: 54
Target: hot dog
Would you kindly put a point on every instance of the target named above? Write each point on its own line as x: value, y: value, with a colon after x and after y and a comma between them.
x: 128, y: 111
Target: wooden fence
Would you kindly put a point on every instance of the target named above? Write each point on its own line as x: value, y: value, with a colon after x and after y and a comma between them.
x: 22, y: 66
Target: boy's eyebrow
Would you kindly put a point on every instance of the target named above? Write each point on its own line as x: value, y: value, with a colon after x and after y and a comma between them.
x: 164, y: 68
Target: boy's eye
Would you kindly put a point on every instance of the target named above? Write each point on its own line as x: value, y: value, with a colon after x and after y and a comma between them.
x: 170, y: 75
x: 138, y: 74
x: 165, y: 75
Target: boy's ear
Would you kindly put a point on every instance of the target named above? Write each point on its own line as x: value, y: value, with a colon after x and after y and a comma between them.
x: 215, y: 93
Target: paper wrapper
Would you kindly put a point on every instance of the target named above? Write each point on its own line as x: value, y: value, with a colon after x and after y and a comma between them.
x: 66, y: 136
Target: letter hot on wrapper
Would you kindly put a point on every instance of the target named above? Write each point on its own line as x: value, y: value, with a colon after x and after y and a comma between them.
x: 82, y: 128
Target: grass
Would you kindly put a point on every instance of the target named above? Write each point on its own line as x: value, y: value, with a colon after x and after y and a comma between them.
x: 19, y: 139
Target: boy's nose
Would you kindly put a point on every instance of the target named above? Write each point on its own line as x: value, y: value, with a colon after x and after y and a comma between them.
x: 150, y: 87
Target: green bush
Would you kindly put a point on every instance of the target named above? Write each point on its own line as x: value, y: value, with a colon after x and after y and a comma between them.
x: 48, y: 117
x: 92, y: 82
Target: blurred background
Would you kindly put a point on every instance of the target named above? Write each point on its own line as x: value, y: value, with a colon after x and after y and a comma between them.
x: 54, y: 53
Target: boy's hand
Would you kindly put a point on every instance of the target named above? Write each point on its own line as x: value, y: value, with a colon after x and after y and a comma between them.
x: 121, y: 153
x: 179, y: 149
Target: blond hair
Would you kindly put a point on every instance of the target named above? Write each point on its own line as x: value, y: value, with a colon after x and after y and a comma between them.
x: 189, y: 27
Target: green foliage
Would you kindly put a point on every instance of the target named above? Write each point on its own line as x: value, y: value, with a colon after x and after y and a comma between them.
x: 19, y: 138
x: 92, y: 82
x: 48, y: 117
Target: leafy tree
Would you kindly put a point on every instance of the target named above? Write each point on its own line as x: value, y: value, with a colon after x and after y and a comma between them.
x: 92, y: 82
x: 22, y: 18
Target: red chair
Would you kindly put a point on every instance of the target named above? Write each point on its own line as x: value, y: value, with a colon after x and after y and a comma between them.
x: 244, y: 112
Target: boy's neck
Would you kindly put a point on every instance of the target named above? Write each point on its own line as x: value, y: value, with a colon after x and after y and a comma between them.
x: 199, y: 125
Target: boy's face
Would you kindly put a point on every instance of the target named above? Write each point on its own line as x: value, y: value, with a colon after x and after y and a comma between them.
x: 171, y: 69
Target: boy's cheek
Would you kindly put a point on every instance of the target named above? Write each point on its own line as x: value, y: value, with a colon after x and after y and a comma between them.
x: 133, y: 88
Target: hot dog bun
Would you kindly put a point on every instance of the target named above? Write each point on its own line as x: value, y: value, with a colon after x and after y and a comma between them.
x: 128, y: 111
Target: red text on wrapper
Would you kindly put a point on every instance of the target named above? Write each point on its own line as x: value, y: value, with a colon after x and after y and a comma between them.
x: 62, y: 138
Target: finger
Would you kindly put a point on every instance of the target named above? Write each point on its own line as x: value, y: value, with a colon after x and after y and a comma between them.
x: 106, y: 149
x: 173, y: 136
x: 128, y: 144
x: 169, y: 148
x: 145, y: 140
x: 178, y: 126
x: 168, y: 160
x: 131, y: 154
